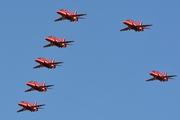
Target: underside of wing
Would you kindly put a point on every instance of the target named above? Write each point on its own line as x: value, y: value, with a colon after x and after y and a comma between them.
x: 59, y: 19
x: 151, y: 79
x: 124, y: 29
x: 29, y: 90
x: 38, y: 66
x: 48, y: 45
x: 21, y: 110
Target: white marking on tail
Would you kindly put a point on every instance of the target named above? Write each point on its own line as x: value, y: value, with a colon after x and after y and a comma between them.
x: 140, y: 23
x: 63, y: 39
x: 75, y: 12
x: 35, y: 103
x: 52, y: 60
x: 165, y: 74
x: 43, y: 83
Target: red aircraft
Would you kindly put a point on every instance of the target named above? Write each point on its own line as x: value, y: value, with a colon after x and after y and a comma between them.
x: 69, y: 16
x: 138, y: 27
x: 159, y: 76
x: 54, y: 41
x: 31, y: 107
x: 36, y: 86
x: 45, y: 63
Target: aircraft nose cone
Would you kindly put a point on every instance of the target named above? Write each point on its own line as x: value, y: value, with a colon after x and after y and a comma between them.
x: 20, y: 104
x: 48, y: 39
x: 125, y: 22
x: 58, y: 12
x: 151, y: 73
x: 36, y: 60
x: 28, y: 83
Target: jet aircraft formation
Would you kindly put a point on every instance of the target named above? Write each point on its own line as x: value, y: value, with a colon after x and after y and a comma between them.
x: 62, y: 43
x: 50, y: 64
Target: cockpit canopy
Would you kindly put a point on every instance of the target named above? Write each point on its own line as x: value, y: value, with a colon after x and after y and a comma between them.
x: 41, y: 58
x: 31, y: 81
x: 51, y: 36
x: 130, y: 20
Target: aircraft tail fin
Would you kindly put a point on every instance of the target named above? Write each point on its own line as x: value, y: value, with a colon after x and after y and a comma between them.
x: 35, y: 103
x: 52, y: 60
x: 75, y: 12
x: 63, y: 39
x: 43, y: 83
x: 165, y: 73
x: 140, y: 23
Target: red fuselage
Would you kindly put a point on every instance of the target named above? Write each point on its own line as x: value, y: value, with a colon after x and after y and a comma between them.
x: 159, y: 76
x: 44, y: 62
x: 133, y: 25
x: 28, y: 106
x: 55, y: 41
x: 67, y: 15
x: 36, y: 86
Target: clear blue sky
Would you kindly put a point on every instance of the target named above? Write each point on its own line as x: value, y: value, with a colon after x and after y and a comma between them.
x: 104, y: 72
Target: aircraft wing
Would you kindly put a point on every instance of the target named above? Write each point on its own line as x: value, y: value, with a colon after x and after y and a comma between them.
x: 169, y: 76
x: 151, y: 79
x: 124, y: 29
x: 77, y: 15
x: 67, y: 41
x: 46, y: 86
x: 144, y: 25
x: 57, y: 63
x: 21, y: 110
x: 38, y: 66
x: 48, y: 45
x: 59, y: 19
x: 39, y: 105
x: 29, y: 90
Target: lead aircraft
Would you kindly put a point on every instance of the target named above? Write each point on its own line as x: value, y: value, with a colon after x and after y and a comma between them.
x: 66, y: 15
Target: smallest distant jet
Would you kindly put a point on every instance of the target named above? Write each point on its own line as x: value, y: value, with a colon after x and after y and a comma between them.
x: 36, y: 86
x: 132, y: 25
x: 54, y: 41
x: 162, y: 77
x: 66, y: 15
